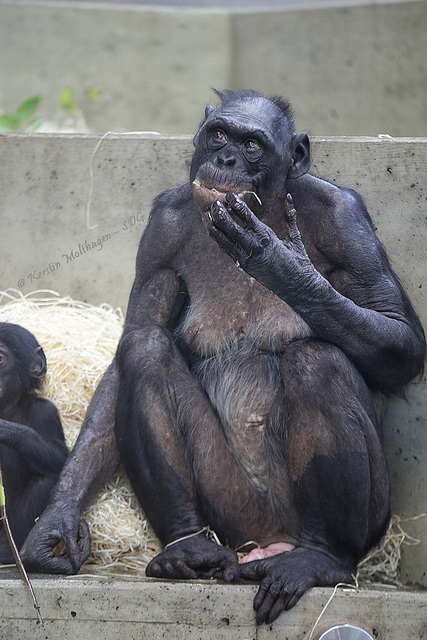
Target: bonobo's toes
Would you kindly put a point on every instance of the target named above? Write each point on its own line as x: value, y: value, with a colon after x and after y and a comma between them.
x: 286, y: 577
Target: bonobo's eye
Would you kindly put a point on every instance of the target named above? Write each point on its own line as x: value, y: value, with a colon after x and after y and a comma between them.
x: 3, y: 359
x: 219, y: 137
x: 253, y: 149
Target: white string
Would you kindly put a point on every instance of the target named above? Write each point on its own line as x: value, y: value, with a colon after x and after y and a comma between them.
x: 210, y: 534
x: 331, y: 597
x: 116, y: 133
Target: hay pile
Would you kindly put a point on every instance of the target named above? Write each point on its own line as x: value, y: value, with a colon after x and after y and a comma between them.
x: 79, y: 341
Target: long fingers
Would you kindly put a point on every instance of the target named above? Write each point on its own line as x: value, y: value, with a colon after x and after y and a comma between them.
x: 175, y: 568
x: 236, y: 229
x: 242, y: 234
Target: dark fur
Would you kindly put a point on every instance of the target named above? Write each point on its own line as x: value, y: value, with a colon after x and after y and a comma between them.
x: 241, y: 389
x: 32, y: 447
x: 244, y: 400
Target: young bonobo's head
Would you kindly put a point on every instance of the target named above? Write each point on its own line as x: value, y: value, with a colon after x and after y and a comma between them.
x: 247, y: 145
x: 22, y: 363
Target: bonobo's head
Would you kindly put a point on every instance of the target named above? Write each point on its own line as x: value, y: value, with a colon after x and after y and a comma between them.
x: 22, y: 363
x: 247, y: 145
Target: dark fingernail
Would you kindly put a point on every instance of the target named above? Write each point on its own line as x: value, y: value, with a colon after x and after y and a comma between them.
x: 231, y: 576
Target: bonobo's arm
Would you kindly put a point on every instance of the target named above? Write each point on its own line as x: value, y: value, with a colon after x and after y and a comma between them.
x: 362, y: 309
x: 95, y: 454
x: 43, y: 456
x: 90, y: 464
x: 158, y: 294
x: 158, y: 298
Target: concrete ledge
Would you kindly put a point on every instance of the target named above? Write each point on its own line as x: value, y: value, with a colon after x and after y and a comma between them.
x: 83, y: 607
x: 45, y: 182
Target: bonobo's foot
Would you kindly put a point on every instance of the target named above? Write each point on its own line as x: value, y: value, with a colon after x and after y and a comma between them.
x: 286, y: 577
x: 187, y: 557
x: 266, y: 552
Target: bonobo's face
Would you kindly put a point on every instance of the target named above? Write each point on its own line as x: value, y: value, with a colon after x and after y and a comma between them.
x: 22, y: 363
x: 243, y: 147
x: 4, y: 366
x: 9, y: 392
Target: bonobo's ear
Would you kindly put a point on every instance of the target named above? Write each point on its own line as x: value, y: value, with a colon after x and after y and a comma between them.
x: 208, y: 110
x: 38, y: 366
x: 300, y: 150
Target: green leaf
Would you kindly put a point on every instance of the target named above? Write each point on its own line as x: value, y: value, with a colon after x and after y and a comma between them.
x: 27, y: 108
x: 93, y: 93
x: 35, y: 124
x: 67, y: 100
x: 10, y: 122
x: 2, y: 496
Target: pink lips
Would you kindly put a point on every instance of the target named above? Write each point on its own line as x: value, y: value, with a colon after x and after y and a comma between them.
x: 206, y: 196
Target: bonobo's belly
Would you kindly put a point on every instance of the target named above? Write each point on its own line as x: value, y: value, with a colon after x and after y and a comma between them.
x: 236, y: 311
x: 242, y: 385
x: 237, y: 340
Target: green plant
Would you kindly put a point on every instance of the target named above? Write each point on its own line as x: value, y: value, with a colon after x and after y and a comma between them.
x: 23, y: 116
x: 92, y: 93
x: 67, y: 101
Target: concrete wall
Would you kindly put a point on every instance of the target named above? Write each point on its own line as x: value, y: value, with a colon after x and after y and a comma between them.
x: 149, y: 609
x: 46, y: 234
x: 350, y: 70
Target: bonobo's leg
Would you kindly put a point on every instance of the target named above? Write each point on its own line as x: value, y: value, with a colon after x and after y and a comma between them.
x: 332, y: 453
x: 174, y: 451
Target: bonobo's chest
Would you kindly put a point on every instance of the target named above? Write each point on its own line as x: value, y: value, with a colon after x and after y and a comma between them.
x: 226, y: 304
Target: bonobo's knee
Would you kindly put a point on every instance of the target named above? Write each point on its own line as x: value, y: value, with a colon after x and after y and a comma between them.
x: 311, y: 366
x: 142, y: 350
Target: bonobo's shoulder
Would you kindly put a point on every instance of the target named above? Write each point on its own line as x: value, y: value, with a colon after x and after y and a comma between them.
x: 171, y: 203
x: 337, y: 205
x: 169, y: 226
x: 43, y: 411
x: 339, y: 224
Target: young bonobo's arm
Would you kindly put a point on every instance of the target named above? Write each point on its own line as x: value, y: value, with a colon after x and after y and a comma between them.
x: 40, y: 441
x: 371, y: 319
x: 43, y: 457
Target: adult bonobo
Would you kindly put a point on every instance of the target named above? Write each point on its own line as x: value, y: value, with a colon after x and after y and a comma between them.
x: 241, y: 392
x: 32, y: 445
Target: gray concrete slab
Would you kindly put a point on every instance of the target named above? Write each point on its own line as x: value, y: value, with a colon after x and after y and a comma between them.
x: 111, y: 609
x: 47, y: 242
x: 349, y: 68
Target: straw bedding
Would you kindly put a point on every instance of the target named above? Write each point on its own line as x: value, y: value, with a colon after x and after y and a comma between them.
x: 79, y: 341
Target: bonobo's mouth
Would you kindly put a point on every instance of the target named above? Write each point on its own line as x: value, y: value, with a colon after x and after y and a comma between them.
x: 207, y: 190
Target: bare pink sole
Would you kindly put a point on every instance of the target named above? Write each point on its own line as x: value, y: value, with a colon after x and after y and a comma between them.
x: 272, y: 550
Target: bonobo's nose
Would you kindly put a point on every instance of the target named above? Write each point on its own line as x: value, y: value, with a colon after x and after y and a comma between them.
x: 226, y: 160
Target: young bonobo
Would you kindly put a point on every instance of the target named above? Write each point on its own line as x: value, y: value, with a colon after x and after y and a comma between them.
x: 32, y: 446
x: 263, y: 318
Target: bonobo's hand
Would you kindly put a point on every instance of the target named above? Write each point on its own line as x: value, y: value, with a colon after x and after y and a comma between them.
x: 254, y: 246
x: 287, y: 576
x: 57, y: 524
x: 185, y: 558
